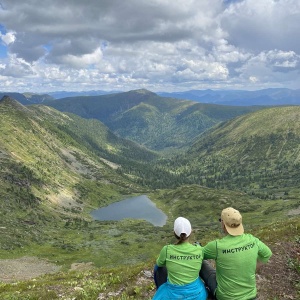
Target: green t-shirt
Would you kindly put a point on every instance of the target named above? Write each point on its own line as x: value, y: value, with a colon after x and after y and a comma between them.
x: 236, y: 258
x: 183, y: 262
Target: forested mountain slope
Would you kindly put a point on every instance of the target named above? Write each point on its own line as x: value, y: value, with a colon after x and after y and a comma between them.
x: 258, y: 153
x: 158, y: 123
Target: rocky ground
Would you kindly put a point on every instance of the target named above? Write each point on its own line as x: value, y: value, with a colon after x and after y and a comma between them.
x: 24, y: 268
x: 279, y: 279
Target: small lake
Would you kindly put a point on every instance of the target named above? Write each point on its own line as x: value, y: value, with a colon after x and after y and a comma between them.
x: 140, y: 207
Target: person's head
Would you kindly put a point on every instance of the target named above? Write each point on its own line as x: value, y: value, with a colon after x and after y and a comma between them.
x: 232, y: 221
x: 182, y: 229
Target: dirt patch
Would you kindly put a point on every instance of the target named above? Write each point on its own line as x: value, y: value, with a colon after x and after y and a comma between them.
x: 110, y: 164
x: 294, y: 212
x: 74, y: 164
x: 25, y: 268
x: 3, y: 154
x: 65, y: 199
x: 278, y: 278
x: 82, y: 266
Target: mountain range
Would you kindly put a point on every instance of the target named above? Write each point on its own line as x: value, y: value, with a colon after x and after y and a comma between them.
x: 156, y: 122
x: 271, y: 96
x: 232, y: 147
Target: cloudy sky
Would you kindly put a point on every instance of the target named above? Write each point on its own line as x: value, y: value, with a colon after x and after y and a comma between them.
x: 160, y: 45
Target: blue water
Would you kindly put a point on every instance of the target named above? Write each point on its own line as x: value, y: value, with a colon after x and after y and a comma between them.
x: 140, y: 207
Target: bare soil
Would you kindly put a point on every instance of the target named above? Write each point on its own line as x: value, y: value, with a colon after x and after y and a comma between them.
x: 24, y: 268
x: 278, y: 279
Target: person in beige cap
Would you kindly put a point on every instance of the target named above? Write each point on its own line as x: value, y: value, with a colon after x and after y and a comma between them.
x: 236, y: 256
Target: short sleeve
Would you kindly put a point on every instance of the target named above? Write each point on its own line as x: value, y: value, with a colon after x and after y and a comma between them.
x: 210, y: 250
x: 161, y: 260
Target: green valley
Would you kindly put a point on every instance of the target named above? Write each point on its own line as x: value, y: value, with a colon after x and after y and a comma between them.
x: 190, y: 159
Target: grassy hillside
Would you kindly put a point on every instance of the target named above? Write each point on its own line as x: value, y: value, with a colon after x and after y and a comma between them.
x: 60, y: 149
x: 144, y: 117
x: 54, y: 169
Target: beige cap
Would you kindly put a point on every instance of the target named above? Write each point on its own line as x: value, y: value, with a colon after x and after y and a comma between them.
x: 232, y: 220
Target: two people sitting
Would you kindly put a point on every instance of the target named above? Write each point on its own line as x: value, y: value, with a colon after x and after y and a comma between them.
x: 177, y: 269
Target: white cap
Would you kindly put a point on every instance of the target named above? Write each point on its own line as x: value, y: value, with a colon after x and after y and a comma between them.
x: 182, y: 225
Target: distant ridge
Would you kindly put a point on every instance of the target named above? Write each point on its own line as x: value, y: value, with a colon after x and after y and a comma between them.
x: 64, y: 94
x: 271, y: 96
x: 275, y: 96
x: 27, y: 98
x: 159, y: 123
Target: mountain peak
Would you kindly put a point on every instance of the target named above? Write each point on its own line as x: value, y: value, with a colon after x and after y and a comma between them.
x: 14, y: 104
x: 143, y: 91
x: 8, y: 100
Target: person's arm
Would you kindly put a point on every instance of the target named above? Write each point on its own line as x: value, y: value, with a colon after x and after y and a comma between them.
x: 210, y: 250
x: 264, y: 252
x: 161, y: 260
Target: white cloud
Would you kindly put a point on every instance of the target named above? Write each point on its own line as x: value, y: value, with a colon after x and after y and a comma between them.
x: 285, y: 59
x: 263, y: 25
x: 17, y: 67
x: 160, y: 45
x: 202, y: 70
x: 84, y: 60
x: 8, y: 38
x: 253, y: 79
x: 271, y: 68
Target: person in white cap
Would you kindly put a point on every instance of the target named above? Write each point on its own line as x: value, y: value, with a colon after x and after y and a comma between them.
x: 180, y: 263
x: 236, y: 257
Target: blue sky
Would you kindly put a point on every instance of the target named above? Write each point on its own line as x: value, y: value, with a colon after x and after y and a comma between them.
x: 3, y: 48
x: 3, y: 52
x: 160, y: 45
